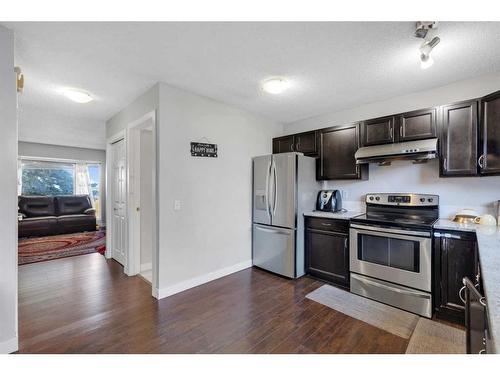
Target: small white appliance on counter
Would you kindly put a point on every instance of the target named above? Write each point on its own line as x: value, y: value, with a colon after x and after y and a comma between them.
x: 284, y: 187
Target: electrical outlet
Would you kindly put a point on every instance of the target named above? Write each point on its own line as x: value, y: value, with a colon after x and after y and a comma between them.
x: 177, y: 205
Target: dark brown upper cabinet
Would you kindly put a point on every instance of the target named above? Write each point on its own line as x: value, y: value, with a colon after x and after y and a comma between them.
x: 283, y: 144
x: 489, y: 159
x: 378, y: 131
x: 458, y: 140
x: 337, y: 146
x: 410, y: 126
x: 421, y: 124
x: 307, y: 143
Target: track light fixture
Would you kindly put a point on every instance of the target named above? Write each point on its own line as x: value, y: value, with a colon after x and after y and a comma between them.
x: 423, y: 30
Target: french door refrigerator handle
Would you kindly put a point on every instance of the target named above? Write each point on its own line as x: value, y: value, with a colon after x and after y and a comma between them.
x: 275, y: 196
x: 268, y: 178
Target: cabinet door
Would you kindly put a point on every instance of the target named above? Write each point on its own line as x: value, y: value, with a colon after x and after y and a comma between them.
x: 306, y: 143
x: 458, y: 144
x: 327, y: 256
x: 337, y: 147
x: 378, y: 131
x: 283, y: 144
x: 490, y: 134
x: 455, y: 258
x: 416, y: 125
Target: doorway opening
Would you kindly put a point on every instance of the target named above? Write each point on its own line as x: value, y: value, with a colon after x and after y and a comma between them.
x: 145, y: 197
x: 135, y: 243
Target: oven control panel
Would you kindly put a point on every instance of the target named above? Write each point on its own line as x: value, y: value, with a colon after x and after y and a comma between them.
x: 402, y: 199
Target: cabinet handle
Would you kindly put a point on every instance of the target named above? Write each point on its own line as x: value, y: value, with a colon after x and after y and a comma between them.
x: 400, y: 132
x: 292, y: 147
x: 482, y: 351
x: 460, y: 294
x: 444, y: 163
x: 480, y: 161
x: 482, y: 301
x: 298, y: 145
x: 326, y: 224
x: 392, y: 131
x: 345, y: 243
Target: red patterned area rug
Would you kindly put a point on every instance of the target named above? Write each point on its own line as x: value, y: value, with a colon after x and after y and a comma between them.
x: 39, y: 249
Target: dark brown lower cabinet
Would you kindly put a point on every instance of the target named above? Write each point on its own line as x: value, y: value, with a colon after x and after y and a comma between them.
x: 455, y: 257
x: 327, y: 250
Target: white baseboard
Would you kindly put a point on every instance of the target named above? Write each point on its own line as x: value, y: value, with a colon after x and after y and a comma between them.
x: 199, y: 280
x: 9, y: 346
x: 146, y: 266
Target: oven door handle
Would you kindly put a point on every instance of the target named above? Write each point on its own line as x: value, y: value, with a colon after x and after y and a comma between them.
x: 391, y: 231
x: 391, y: 288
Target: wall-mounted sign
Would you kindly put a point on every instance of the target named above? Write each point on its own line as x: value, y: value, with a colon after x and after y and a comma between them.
x: 207, y: 150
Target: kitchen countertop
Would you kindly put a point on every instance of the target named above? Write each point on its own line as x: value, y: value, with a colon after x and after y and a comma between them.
x: 451, y: 225
x: 488, y: 241
x: 334, y: 215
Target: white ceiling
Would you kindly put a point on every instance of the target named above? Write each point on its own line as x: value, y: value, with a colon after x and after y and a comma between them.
x: 332, y: 65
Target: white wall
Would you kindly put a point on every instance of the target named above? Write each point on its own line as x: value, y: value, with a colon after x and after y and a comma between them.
x: 43, y: 126
x: 462, y: 90
x: 8, y: 195
x: 60, y: 152
x: 211, y: 235
x: 146, y: 189
x: 455, y: 193
x: 144, y: 104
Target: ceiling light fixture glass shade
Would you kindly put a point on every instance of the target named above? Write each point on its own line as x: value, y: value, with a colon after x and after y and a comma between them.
x: 275, y: 85
x: 77, y: 96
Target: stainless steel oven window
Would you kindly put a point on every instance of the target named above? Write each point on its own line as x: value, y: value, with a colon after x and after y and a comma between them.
x: 392, y: 252
x: 396, y: 273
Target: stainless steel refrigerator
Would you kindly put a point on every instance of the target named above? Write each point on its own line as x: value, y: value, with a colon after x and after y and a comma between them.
x: 284, y: 187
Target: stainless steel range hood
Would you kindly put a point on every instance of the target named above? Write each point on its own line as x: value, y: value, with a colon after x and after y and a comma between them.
x: 419, y: 151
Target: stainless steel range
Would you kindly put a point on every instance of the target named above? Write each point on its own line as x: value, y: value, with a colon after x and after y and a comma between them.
x: 391, y: 250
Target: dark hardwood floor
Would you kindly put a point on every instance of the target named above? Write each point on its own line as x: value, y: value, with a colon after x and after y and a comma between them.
x: 86, y: 304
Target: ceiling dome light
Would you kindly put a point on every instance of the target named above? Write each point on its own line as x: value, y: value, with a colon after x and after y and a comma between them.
x: 275, y: 85
x: 77, y: 96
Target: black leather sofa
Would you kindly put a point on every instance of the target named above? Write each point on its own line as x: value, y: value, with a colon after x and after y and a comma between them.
x: 46, y: 216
